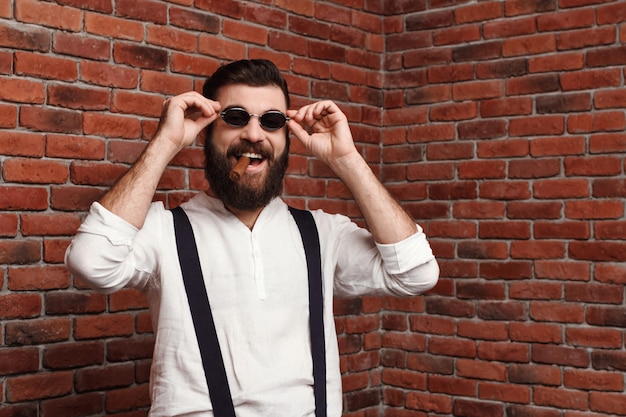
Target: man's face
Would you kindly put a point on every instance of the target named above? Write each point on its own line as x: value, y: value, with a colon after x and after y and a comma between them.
x: 262, y: 179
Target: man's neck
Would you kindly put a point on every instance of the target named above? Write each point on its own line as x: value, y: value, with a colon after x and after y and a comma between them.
x: 247, y: 217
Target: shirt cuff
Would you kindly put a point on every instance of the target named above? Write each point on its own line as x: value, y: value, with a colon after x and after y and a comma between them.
x: 407, y: 254
x: 103, y: 222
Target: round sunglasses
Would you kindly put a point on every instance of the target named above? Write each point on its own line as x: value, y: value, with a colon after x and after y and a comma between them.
x: 239, y: 117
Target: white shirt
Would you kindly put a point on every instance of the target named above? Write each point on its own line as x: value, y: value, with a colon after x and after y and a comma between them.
x: 257, y: 286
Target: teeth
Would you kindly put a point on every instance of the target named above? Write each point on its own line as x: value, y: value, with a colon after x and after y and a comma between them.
x: 252, y: 155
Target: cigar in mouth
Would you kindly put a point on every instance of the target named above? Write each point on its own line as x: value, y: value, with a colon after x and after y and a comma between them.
x: 239, y: 168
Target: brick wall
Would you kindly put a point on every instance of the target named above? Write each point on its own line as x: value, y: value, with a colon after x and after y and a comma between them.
x: 502, y: 133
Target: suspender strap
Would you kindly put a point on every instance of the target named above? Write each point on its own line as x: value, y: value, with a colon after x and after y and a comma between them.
x: 210, y: 352
x: 311, y: 242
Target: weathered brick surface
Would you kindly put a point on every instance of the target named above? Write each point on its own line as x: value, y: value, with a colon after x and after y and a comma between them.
x: 498, y: 125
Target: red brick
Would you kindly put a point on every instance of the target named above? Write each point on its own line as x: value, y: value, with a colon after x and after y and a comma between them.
x: 607, y: 402
x: 35, y: 171
x: 542, y: 83
x: 84, y: 46
x: 561, y: 188
x: 171, y: 38
x: 509, y: 28
x: 111, y: 126
x: 507, y: 393
x: 556, y: 312
x: 522, y: 7
x: 534, y: 374
x: 577, y: 271
x: 140, y: 56
x: 594, y: 209
x: 25, y: 37
x: 23, y: 198
x: 18, y: 252
x: 42, y: 66
x: 609, y: 187
x: 108, y: 75
x: 50, y: 120
x: 8, y: 225
x: 506, y: 107
x: 557, y: 146
x: 613, y: 13
x: 74, y: 147
x: 39, y: 386
x: 21, y: 144
x: 561, y: 230
x: 537, y: 168
x: 61, y: 224
x: 566, y: 20
x: 73, y: 406
x: 511, y: 270
x: 38, y: 278
x: 484, y: 331
x: 502, y: 310
x: 533, y: 290
x: 560, y: 62
x: 144, y: 10
x: 529, y: 45
x: 456, y: 35
x: 48, y: 14
x: 78, y: 98
x: 504, y: 230
x: 35, y: 332
x: 106, y: 377
x: 22, y: 90
x: 597, y: 251
x: 593, y: 293
x: 482, y: 291
x: 596, y: 122
x: 453, y: 386
x: 560, y: 398
x: 19, y: 360
x: 478, y: 12
x: 103, y: 326
x: 115, y: 27
x: 583, y: 38
x: 127, y: 398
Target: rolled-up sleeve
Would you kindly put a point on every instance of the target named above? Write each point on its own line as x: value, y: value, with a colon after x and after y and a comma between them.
x: 364, y: 267
x: 105, y: 253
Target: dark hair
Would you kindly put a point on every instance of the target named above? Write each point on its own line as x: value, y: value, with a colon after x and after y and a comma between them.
x: 252, y: 72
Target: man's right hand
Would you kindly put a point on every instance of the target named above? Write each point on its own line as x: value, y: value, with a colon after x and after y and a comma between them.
x: 184, y: 116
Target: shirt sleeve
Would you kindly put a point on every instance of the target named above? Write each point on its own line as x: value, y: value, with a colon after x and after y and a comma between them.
x: 364, y: 267
x: 109, y: 253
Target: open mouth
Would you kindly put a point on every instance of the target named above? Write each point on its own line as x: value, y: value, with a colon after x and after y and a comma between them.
x: 255, y: 158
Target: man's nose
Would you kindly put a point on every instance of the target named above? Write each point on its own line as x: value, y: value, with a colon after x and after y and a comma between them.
x: 253, y: 131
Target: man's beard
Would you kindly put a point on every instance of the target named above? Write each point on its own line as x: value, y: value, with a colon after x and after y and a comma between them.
x: 247, y: 193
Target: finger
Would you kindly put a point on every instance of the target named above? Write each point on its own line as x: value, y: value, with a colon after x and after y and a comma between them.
x: 298, y: 131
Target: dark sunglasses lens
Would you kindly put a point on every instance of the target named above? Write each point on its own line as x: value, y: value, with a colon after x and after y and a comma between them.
x: 273, y: 120
x: 236, y: 117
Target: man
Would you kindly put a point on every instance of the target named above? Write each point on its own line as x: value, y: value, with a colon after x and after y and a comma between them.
x: 249, y: 246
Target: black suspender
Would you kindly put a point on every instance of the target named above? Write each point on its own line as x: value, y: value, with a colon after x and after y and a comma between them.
x: 204, y: 325
x: 311, y: 242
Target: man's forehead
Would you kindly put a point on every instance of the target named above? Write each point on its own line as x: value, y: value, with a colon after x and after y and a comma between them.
x: 267, y: 96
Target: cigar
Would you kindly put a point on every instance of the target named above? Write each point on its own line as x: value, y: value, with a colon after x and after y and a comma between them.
x: 239, y: 168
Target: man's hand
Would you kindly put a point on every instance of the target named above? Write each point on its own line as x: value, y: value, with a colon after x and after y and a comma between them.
x: 184, y: 116
x: 182, y: 119
x: 323, y: 129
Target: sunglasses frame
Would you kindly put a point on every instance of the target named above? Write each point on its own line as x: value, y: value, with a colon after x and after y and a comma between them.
x: 223, y: 115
